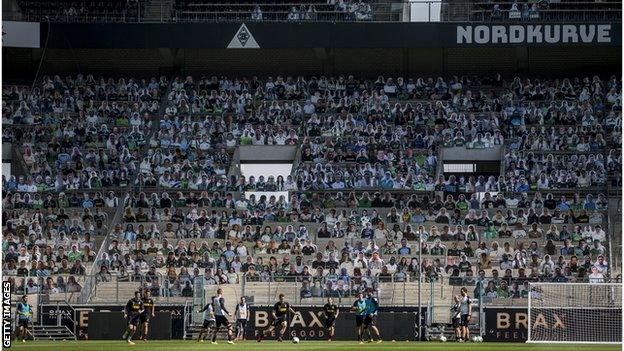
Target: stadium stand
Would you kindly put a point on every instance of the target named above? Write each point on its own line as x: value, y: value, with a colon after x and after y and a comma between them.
x: 408, y: 183
x: 521, y: 11
x: 546, y: 10
x: 82, y: 10
x: 365, y: 189
x: 207, y: 10
x: 49, y: 245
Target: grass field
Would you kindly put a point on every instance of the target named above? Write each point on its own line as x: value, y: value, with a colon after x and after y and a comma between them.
x: 304, y: 345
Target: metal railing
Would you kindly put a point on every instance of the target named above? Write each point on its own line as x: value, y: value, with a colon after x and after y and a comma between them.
x: 314, y: 290
x: 164, y: 289
x: 529, y: 16
x: 109, y: 13
x: 89, y: 286
x: 615, y: 242
x: 106, y: 17
x: 58, y: 314
x: 400, y: 11
x: 434, y: 294
x: 37, y: 286
x: 545, y: 11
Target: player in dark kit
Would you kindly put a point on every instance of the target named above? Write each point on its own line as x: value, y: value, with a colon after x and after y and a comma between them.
x: 219, y: 310
x: 148, y: 312
x: 331, y: 312
x: 359, y: 307
x: 372, y: 306
x: 23, y: 313
x: 132, y: 313
x: 456, y: 317
x: 280, y: 319
x: 209, y: 322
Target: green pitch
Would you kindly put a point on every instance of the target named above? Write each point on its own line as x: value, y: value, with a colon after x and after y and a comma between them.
x: 303, y: 345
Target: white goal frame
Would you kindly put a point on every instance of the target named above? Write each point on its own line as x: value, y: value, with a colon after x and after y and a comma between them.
x: 537, y: 302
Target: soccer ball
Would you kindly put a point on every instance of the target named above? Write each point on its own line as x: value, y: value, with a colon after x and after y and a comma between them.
x: 477, y: 338
x: 442, y: 338
x: 295, y: 340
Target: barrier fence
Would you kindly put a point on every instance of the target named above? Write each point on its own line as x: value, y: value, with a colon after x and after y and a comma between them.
x: 371, y: 11
x: 499, y: 315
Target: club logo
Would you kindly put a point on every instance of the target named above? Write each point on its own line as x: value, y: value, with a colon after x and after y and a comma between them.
x: 243, y: 39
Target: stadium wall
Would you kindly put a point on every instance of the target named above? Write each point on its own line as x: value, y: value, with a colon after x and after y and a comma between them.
x: 362, y: 49
x: 160, y: 326
x: 284, y: 35
x: 21, y: 64
x: 81, y: 314
x: 308, y: 323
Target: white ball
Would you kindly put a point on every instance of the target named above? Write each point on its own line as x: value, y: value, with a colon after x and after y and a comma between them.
x: 295, y: 340
x: 480, y: 338
x: 443, y: 338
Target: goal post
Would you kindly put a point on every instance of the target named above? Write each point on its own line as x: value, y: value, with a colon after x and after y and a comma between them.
x: 575, y: 313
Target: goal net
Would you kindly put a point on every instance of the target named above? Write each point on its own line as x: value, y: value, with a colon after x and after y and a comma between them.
x: 575, y: 313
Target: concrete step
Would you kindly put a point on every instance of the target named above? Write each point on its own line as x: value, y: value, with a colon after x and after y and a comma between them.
x: 45, y: 332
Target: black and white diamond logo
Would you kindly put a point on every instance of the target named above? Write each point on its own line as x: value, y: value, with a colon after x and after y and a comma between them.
x: 243, y: 39
x: 243, y: 36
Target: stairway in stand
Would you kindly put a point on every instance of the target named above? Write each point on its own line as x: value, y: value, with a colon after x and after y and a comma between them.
x: 47, y: 332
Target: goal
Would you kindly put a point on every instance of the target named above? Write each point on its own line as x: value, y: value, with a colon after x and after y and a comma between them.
x: 575, y: 313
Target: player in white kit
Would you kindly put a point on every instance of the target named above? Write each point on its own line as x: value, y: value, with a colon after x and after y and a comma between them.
x: 242, y: 316
x: 465, y: 310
